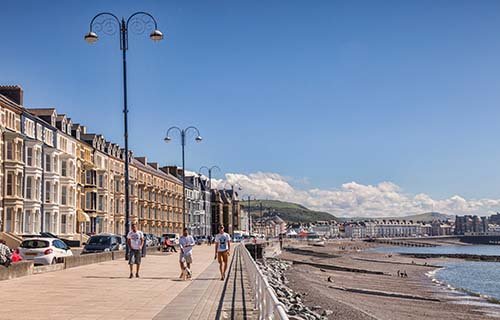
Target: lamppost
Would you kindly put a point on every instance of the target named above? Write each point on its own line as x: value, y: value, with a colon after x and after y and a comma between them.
x: 209, y: 193
x: 232, y: 200
x: 140, y: 22
x: 183, y: 133
x: 250, y: 215
x: 209, y: 174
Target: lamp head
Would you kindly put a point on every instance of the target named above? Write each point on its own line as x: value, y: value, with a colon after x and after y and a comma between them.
x: 198, y: 139
x: 167, y: 139
x: 91, y: 37
x: 156, y: 35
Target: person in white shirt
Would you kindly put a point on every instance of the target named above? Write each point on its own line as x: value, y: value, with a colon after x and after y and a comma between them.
x: 135, y: 242
x: 222, y: 247
x: 186, y: 244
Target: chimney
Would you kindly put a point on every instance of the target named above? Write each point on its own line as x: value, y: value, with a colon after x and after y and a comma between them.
x: 14, y: 93
x: 154, y: 165
x: 142, y: 160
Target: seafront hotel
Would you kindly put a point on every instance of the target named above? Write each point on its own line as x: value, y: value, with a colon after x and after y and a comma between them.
x: 58, y: 177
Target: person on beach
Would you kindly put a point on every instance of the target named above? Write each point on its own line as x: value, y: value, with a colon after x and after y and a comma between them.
x: 186, y: 244
x: 399, y: 273
x: 222, y: 247
x: 135, y: 242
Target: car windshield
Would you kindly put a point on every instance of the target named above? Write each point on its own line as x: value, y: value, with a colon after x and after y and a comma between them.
x: 100, y: 240
x: 34, y: 244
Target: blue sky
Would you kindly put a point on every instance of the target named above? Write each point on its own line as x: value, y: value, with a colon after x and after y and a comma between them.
x: 323, y: 92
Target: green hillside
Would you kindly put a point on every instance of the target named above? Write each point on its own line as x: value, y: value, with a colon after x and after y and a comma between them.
x: 288, y: 211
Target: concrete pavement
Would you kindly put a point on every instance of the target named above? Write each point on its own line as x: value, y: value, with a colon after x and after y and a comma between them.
x: 104, y: 291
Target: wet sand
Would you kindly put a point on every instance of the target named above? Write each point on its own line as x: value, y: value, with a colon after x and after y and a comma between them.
x: 361, y: 295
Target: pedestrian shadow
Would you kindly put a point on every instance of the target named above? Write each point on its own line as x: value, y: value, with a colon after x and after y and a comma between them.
x: 113, y: 278
x: 207, y: 279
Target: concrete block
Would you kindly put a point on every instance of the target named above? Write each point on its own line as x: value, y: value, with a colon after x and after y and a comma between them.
x: 119, y: 255
x: 16, y: 270
x: 76, y: 261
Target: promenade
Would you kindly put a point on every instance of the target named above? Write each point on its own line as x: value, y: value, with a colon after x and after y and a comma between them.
x: 104, y: 291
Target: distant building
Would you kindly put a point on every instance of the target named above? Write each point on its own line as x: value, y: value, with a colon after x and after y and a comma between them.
x: 469, y: 223
x: 495, y: 218
x: 328, y: 229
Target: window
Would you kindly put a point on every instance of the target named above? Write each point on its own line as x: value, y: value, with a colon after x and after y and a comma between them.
x: 9, y: 150
x: 64, y: 168
x: 28, y: 221
x: 63, y: 228
x: 29, y: 157
x: 70, y: 201
x: 48, y: 161
x: 46, y: 222
x: 47, y: 191
x: 101, y: 181
x: 10, y: 182
x: 37, y: 189
x: 64, y: 190
x: 8, y: 220
x: 90, y: 201
x: 19, y: 185
x: 56, y: 159
x: 19, y: 149
x: 38, y: 158
x: 29, y: 194
x: 55, y: 197
x: 100, y: 203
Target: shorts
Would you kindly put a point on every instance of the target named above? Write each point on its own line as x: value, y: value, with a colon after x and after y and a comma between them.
x: 187, y: 259
x: 222, y: 256
x: 134, y: 256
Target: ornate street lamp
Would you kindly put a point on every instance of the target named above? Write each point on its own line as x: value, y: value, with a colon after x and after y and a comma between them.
x: 212, y: 168
x: 183, y: 133
x: 109, y: 24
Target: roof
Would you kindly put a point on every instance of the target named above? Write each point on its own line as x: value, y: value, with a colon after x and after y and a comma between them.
x: 42, y: 111
x: 6, y: 102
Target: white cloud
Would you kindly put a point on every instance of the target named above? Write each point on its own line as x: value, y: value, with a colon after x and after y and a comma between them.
x: 354, y: 199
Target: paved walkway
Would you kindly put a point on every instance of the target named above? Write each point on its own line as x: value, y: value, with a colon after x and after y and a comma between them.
x: 104, y: 291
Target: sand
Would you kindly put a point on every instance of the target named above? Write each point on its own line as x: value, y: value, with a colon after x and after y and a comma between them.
x: 369, y: 300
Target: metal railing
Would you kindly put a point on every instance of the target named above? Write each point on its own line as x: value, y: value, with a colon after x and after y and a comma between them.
x: 266, y: 302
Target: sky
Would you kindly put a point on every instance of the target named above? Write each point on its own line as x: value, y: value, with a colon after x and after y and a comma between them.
x: 353, y: 107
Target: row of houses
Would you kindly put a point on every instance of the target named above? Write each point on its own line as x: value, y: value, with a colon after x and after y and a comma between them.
x: 57, y: 176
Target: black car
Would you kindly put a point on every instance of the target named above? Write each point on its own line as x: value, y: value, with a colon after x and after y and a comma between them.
x: 103, y: 243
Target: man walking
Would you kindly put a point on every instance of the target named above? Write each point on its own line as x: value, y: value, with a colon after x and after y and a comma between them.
x: 222, y: 247
x: 135, y: 242
x: 186, y: 244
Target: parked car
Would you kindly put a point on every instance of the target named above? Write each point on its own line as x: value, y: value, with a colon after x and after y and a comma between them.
x: 104, y: 242
x: 174, y: 237
x: 45, y: 234
x: 44, y: 250
x: 200, y: 239
x: 148, y: 240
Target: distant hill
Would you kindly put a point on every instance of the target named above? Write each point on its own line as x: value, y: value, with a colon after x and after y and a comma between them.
x: 288, y: 211
x: 426, y: 217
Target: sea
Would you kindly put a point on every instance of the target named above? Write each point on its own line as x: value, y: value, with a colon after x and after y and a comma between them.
x: 470, y: 282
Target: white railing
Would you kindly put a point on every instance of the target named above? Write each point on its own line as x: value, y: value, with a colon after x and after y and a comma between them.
x: 266, y: 302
